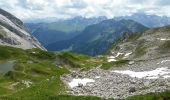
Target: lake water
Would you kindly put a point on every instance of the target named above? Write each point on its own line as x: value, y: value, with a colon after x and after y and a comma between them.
x: 6, y: 66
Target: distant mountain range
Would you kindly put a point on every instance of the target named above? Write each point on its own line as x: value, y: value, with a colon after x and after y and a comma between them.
x: 148, y: 20
x: 97, y: 38
x: 135, y: 67
x: 87, y: 35
x: 48, y: 33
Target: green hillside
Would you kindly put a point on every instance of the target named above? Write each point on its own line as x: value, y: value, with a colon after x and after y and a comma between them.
x: 40, y: 69
x: 35, y: 76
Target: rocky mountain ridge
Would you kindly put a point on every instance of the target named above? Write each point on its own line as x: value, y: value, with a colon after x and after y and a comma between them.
x: 149, y: 20
x: 13, y: 33
x: 50, y: 32
x: 97, y: 38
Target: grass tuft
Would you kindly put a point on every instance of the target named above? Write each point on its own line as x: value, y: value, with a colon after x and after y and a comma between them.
x: 109, y: 65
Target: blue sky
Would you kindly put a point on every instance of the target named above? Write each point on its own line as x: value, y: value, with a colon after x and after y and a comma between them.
x: 30, y: 9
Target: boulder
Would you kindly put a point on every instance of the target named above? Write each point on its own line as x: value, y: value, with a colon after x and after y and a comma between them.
x: 132, y: 89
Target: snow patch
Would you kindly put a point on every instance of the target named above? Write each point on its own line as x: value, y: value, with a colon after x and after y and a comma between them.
x: 163, y: 61
x: 163, y: 39
x: 97, y: 77
x: 76, y: 82
x: 127, y: 54
x: 154, y: 74
x: 118, y: 54
x: 166, y: 76
x: 113, y: 58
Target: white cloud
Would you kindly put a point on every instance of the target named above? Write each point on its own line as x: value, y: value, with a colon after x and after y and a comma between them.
x: 25, y: 9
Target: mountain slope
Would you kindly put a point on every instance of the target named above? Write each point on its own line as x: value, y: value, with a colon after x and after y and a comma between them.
x: 37, y: 72
x: 138, y: 64
x: 151, y: 44
x: 37, y: 75
x: 13, y: 33
x: 96, y: 39
x: 52, y: 32
x: 148, y: 20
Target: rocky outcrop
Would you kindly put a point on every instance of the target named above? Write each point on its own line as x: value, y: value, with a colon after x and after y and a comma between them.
x: 151, y: 44
x: 13, y: 33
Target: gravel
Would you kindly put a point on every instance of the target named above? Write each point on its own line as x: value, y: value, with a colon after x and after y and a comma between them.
x: 109, y: 84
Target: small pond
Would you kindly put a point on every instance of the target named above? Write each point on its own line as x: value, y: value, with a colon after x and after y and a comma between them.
x: 6, y: 66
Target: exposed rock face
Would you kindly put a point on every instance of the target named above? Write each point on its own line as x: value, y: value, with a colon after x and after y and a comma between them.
x: 13, y: 33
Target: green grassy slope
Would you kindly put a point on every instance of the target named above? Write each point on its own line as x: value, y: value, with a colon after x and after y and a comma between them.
x: 33, y: 66
x: 37, y: 67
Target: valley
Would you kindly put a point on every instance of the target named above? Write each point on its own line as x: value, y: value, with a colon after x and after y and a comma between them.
x: 124, y: 57
x: 119, y: 74
x: 97, y: 38
x: 60, y: 30
x: 72, y: 34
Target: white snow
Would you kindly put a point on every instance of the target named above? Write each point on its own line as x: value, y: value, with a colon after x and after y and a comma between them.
x: 119, y: 54
x: 163, y: 61
x: 166, y: 76
x: 154, y: 74
x: 127, y: 54
x: 76, y: 82
x: 97, y: 77
x: 163, y: 39
x: 112, y: 58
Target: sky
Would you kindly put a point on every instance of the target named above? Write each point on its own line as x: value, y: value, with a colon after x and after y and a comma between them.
x: 33, y: 9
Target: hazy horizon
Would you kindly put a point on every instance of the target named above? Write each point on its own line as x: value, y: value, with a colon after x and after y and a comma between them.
x: 63, y: 9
